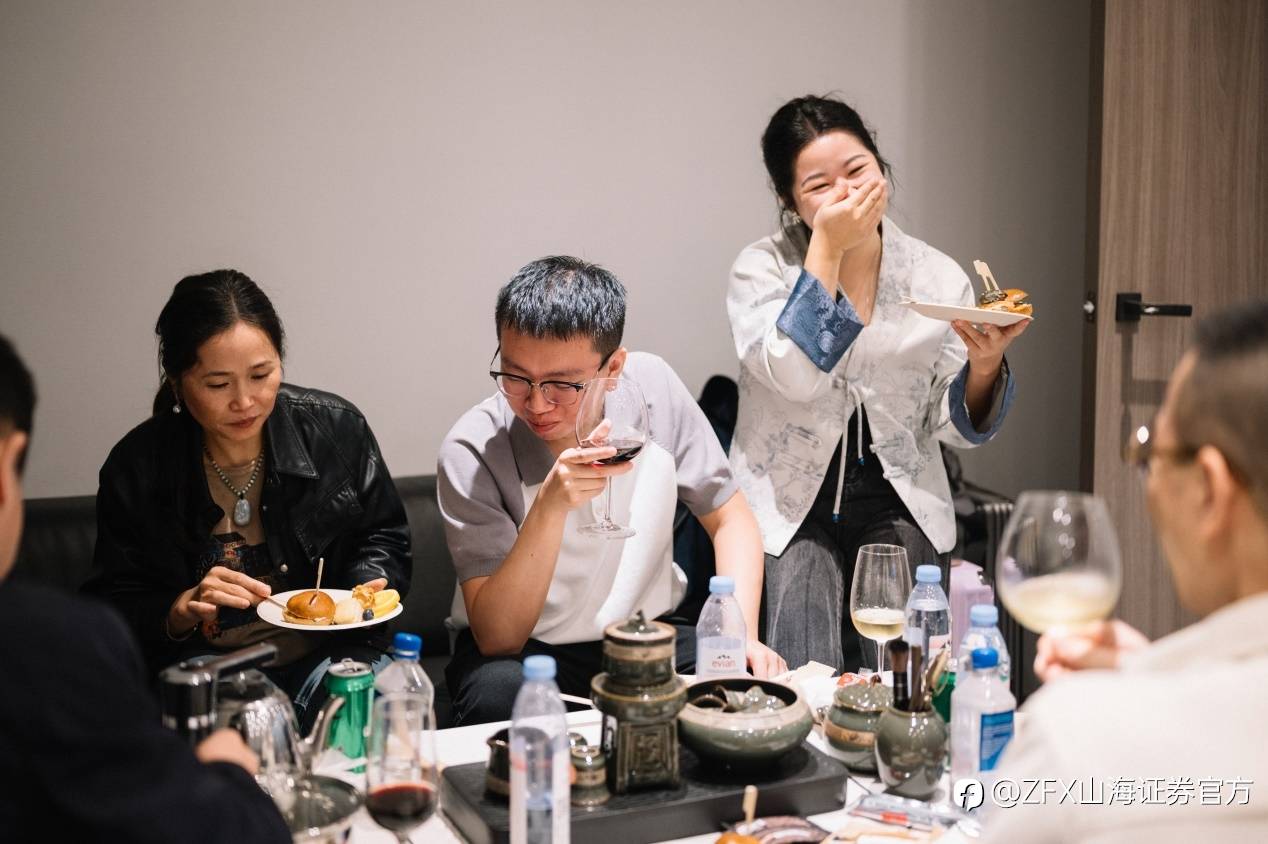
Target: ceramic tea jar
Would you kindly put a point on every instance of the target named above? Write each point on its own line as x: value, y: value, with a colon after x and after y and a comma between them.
x: 591, y: 786
x: 911, y: 751
x: 639, y: 695
x: 851, y: 723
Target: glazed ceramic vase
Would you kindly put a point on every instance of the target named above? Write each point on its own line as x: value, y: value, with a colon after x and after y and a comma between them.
x: 911, y: 751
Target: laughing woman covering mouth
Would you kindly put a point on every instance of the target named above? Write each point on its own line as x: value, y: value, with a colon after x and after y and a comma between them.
x: 234, y: 488
x: 845, y: 395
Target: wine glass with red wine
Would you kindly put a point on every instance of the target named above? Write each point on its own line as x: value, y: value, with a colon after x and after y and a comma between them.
x: 401, y: 763
x: 613, y: 413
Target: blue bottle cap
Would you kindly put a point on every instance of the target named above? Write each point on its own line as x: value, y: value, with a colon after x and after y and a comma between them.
x: 721, y: 584
x: 984, y: 615
x: 985, y: 658
x: 406, y: 644
x: 928, y: 574
x: 539, y: 667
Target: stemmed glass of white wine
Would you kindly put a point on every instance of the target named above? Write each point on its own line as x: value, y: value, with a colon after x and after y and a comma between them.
x: 1058, y: 561
x: 879, y: 593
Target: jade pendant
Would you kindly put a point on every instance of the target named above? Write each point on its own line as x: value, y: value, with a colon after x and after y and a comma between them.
x: 241, y: 512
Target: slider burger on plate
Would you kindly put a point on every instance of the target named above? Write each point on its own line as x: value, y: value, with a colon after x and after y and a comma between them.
x: 310, y: 607
x: 1013, y: 302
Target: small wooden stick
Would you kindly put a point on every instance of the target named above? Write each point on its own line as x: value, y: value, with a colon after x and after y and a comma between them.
x: 321, y: 563
x: 750, y: 805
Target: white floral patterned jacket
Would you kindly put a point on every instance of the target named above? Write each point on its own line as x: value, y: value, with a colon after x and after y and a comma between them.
x: 806, y: 363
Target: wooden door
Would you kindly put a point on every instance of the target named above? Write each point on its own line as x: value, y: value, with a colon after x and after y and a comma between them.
x: 1178, y: 212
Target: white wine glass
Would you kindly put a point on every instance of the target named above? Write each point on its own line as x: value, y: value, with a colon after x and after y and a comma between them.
x: 879, y: 593
x: 401, y: 766
x: 612, y: 412
x: 1058, y: 560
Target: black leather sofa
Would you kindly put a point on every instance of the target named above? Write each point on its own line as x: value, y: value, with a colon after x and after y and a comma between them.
x: 58, y: 538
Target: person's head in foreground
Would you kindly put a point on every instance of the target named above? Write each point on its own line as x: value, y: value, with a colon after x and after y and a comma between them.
x: 1208, y: 465
x: 1169, y: 747
x: 17, y: 409
x: 559, y: 324
x: 1206, y: 479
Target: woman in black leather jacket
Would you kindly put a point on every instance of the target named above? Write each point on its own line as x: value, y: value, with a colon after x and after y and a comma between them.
x: 235, y: 488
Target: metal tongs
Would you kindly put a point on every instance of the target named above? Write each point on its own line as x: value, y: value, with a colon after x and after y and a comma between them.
x: 993, y: 293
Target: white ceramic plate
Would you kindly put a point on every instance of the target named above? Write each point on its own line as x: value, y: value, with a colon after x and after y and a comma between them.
x: 272, y: 613
x: 946, y: 313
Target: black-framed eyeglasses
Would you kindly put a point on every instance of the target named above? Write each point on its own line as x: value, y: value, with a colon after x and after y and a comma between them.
x: 1141, y: 447
x: 562, y: 393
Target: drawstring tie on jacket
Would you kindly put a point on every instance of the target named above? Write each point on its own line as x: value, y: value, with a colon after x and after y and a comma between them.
x: 853, y: 404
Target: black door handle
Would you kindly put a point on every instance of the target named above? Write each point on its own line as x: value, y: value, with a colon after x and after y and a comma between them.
x: 1128, y: 307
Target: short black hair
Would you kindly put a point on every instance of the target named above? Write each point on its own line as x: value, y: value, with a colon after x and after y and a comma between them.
x: 561, y: 297
x: 1223, y: 400
x: 17, y: 394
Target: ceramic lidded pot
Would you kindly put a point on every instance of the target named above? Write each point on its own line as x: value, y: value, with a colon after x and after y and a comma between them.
x: 591, y: 786
x: 851, y: 723
x: 911, y: 751
x: 639, y: 694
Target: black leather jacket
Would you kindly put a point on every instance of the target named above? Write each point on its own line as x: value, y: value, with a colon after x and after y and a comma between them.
x: 327, y: 493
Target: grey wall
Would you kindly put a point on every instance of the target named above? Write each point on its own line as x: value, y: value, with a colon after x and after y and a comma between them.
x: 382, y: 168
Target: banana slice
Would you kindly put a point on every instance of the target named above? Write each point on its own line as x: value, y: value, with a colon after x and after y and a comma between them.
x: 385, y: 602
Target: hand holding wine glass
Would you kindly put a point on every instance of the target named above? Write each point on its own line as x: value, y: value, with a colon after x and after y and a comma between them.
x: 401, y: 774
x: 1058, y: 561
x: 1098, y: 645
x: 612, y: 413
x: 878, y: 595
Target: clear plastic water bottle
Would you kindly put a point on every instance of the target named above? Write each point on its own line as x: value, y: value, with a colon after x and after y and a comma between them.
x: 539, y: 758
x: 929, y: 612
x: 720, y: 633
x: 405, y: 674
x: 981, y: 717
x: 984, y: 632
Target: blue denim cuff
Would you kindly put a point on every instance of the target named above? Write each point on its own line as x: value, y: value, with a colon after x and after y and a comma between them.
x: 1002, y: 401
x: 821, y: 327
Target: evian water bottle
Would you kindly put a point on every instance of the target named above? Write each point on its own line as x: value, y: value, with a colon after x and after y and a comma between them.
x: 720, y: 633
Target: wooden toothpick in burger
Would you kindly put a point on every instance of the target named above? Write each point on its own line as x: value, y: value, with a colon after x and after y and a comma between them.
x: 321, y: 563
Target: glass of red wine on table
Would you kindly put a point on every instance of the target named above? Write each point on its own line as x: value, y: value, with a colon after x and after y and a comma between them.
x: 401, y: 770
x: 612, y: 413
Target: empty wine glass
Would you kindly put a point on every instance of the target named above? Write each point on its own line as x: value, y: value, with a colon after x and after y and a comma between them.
x: 879, y: 593
x: 401, y: 763
x: 1058, y: 560
x: 612, y: 412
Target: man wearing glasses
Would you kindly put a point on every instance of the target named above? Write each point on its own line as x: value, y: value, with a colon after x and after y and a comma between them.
x: 1182, y: 720
x: 515, y: 487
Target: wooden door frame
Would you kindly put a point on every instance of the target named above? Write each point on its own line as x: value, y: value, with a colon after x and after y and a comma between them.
x: 1092, y: 247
